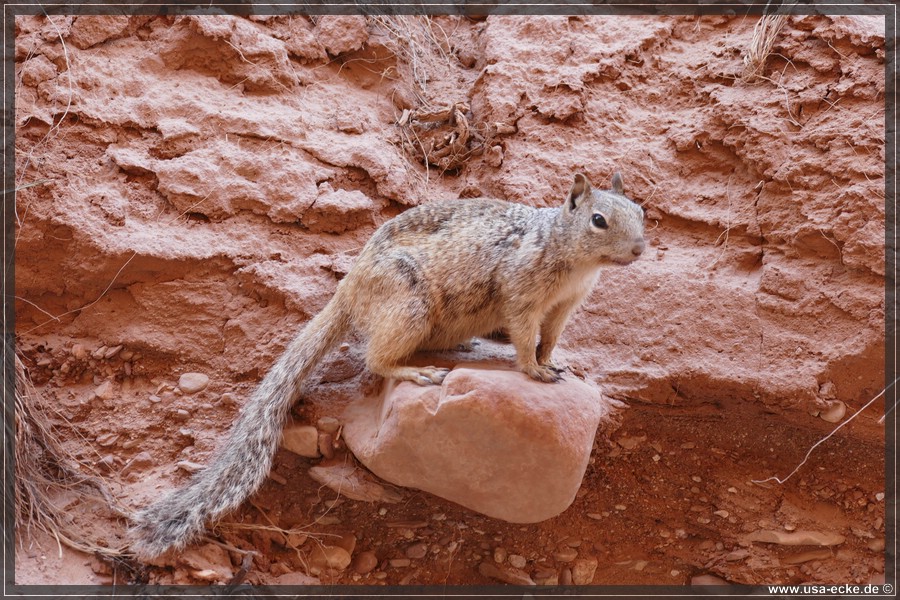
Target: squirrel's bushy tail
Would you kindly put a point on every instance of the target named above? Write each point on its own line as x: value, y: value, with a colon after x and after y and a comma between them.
x: 242, y: 463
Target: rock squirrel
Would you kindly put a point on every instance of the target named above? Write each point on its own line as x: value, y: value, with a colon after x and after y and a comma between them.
x: 430, y: 278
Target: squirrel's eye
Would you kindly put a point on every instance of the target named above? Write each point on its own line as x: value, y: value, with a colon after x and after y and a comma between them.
x: 598, y: 221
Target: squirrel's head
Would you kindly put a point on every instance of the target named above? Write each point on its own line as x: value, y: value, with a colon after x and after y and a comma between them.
x: 609, y: 226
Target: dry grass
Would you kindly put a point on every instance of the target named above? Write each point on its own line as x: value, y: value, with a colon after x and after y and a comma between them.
x: 761, y: 44
x: 420, y: 45
x: 45, y: 472
x: 437, y: 131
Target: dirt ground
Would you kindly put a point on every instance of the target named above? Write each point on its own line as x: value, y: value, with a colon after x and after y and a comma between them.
x: 668, y: 498
x: 191, y: 189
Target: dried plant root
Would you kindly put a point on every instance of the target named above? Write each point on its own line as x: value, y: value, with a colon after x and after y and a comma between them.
x: 441, y: 137
x: 44, y: 470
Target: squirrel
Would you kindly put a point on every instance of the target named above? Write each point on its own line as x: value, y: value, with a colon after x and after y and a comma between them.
x: 433, y: 277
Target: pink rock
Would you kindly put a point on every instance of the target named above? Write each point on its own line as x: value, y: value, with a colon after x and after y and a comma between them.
x: 336, y: 211
x: 37, y: 70
x: 493, y: 441
x: 90, y: 30
x: 342, y: 33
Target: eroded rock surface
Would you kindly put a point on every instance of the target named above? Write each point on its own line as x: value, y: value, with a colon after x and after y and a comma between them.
x: 192, y: 188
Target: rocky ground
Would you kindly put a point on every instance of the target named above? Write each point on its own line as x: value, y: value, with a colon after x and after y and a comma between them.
x: 191, y: 189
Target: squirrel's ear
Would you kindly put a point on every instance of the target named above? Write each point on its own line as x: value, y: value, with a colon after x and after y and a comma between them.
x: 580, y: 187
x: 617, y: 185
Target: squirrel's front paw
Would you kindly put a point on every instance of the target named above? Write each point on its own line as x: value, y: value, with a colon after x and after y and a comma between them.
x: 544, y: 373
x: 430, y: 375
x: 552, y: 366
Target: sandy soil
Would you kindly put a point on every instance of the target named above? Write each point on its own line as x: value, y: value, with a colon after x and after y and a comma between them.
x: 191, y: 189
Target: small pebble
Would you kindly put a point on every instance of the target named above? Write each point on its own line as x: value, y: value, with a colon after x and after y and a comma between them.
x: 565, y: 576
x: 736, y: 555
x: 507, y: 575
x: 517, y: 560
x: 500, y: 555
x: 323, y: 558
x: 835, y: 412
x: 326, y: 445
x: 111, y: 352
x: 798, y: 538
x: 190, y: 467
x: 79, y: 352
x: 105, y: 391
x: 108, y: 439
x: 181, y: 415
x: 583, y: 571
x: 191, y: 383
x: 399, y: 563
x: 365, y: 562
x: 141, y: 460
x: 301, y: 439
x: 565, y: 555
x: 328, y: 424
x: 417, y: 551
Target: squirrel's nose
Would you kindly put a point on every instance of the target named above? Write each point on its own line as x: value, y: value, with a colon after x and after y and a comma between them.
x: 638, y: 247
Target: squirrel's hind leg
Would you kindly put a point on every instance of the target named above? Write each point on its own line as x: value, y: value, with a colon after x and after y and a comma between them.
x: 396, y: 334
